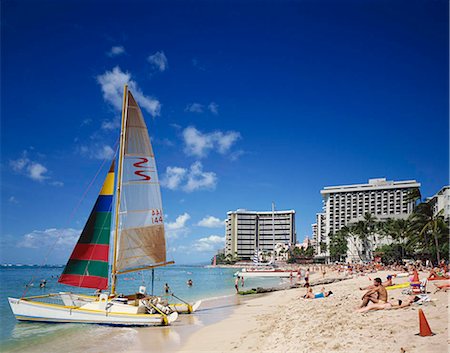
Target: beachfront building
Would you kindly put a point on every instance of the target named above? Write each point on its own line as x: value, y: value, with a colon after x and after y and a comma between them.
x: 319, y: 235
x: 347, y: 204
x: 440, y: 202
x: 247, y: 231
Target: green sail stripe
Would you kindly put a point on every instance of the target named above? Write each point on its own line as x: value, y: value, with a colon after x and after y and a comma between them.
x: 97, y: 229
x: 87, y: 268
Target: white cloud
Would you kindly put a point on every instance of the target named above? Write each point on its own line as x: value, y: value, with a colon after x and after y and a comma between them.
x: 112, y: 124
x: 44, y: 239
x: 213, y: 108
x: 19, y: 164
x: 197, y: 179
x: 189, y: 180
x: 179, y: 223
x: 173, y: 177
x: 194, y: 108
x: 200, y: 108
x: 199, y: 144
x: 211, y: 243
x: 158, y: 61
x: 13, y: 200
x: 112, y: 83
x: 115, y: 51
x: 33, y: 170
x: 104, y: 152
x: 177, y: 228
x: 211, y: 222
x: 37, y: 171
x: 226, y: 140
x: 86, y: 121
x: 196, y: 143
x: 57, y: 183
x: 97, y: 151
x: 197, y: 65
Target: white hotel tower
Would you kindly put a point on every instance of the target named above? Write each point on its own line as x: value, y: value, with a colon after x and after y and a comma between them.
x: 347, y: 204
x: 246, y: 231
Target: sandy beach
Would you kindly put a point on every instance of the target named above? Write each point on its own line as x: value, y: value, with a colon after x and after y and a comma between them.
x: 284, y: 322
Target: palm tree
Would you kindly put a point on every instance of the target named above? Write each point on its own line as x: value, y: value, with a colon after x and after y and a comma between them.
x: 398, y: 229
x: 338, y: 244
x: 365, y: 231
x: 429, y: 224
x: 413, y: 195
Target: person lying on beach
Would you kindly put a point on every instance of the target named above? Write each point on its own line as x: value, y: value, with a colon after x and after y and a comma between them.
x: 435, y: 275
x: 386, y: 283
x: 378, y: 294
x: 393, y: 304
x: 322, y: 294
x: 444, y: 287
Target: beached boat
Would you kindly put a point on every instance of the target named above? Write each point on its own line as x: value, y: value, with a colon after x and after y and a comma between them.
x: 138, y: 243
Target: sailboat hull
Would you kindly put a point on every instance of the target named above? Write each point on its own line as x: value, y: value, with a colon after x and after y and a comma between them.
x: 182, y: 308
x: 28, y: 310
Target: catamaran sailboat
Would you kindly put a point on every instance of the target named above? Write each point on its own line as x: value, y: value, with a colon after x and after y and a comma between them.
x: 138, y: 243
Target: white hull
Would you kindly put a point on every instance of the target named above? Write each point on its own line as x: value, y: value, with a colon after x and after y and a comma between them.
x: 281, y: 274
x: 112, y: 314
x: 185, y: 308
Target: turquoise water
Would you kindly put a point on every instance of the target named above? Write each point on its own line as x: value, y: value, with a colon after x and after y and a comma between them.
x: 207, y: 283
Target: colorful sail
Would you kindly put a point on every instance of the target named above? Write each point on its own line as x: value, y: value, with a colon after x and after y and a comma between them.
x: 88, y: 264
x: 141, y: 241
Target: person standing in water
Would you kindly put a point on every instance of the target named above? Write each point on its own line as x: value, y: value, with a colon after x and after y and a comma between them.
x: 242, y: 281
x: 166, y: 288
x: 236, y: 284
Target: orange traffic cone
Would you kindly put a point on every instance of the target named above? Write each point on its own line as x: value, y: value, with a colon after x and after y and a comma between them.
x: 423, y: 324
x: 415, y: 277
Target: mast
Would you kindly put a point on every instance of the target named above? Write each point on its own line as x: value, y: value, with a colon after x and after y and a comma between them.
x: 273, y: 230
x: 119, y: 188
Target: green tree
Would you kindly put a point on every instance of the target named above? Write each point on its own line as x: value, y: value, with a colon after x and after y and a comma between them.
x: 431, y: 228
x: 365, y: 231
x: 390, y: 253
x: 399, y: 230
x: 339, y: 244
x: 323, y: 247
x: 413, y: 195
x: 309, y: 252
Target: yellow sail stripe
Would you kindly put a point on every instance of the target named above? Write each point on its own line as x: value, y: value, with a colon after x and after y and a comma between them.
x: 108, y: 185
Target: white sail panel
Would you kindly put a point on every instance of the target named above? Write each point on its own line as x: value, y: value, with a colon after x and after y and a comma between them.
x: 141, y: 220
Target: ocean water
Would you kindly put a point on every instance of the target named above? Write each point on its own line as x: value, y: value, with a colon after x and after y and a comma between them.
x: 208, y: 283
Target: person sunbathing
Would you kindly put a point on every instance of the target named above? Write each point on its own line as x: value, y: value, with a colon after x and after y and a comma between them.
x: 393, y: 304
x: 444, y: 287
x: 437, y: 275
x: 322, y: 294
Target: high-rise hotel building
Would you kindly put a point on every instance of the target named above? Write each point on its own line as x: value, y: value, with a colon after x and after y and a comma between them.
x: 319, y: 234
x: 346, y: 204
x: 247, y: 231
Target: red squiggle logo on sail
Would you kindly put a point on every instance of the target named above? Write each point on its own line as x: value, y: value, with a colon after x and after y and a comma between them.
x: 141, y: 173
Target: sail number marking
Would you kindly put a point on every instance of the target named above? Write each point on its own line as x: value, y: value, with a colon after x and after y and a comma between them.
x: 157, y: 216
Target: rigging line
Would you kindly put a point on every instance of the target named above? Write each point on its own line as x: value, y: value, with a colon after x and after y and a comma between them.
x: 93, y: 180
x: 59, y: 236
x: 104, y: 220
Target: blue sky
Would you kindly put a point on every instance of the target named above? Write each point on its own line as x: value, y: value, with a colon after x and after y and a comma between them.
x: 247, y: 102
